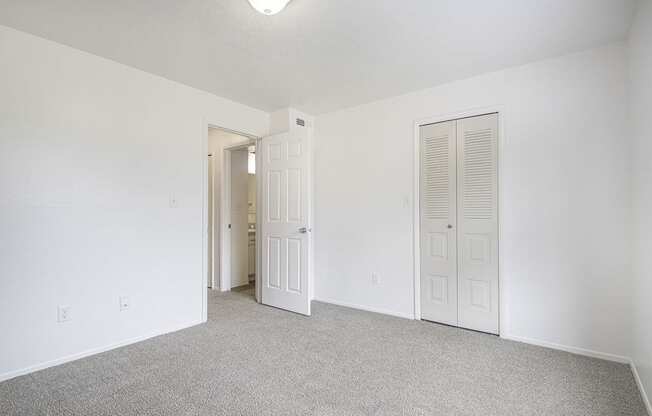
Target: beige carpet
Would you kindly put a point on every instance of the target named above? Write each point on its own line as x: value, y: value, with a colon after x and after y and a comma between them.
x: 255, y: 360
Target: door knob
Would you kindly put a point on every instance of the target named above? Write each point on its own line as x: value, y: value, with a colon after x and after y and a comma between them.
x: 303, y: 230
x: 450, y: 226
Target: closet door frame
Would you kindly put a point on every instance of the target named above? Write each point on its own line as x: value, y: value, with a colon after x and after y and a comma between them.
x: 502, y: 143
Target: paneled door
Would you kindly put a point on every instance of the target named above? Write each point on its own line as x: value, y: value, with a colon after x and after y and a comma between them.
x: 438, y: 220
x: 477, y: 231
x: 285, y: 222
x: 459, y: 222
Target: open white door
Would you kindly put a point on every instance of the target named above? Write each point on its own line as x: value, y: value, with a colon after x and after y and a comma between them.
x: 285, y: 173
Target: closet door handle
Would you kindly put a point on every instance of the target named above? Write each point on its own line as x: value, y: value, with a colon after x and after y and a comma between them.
x: 450, y: 226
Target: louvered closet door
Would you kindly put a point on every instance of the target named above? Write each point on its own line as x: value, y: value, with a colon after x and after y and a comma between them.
x: 438, y: 212
x: 477, y: 232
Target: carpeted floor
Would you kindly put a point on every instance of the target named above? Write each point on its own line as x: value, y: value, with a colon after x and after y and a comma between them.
x: 255, y: 360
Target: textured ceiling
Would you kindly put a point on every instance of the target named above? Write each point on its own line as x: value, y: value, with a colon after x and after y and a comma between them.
x: 321, y: 55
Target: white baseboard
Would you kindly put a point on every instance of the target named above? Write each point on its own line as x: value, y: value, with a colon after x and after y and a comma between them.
x: 366, y: 308
x: 641, y: 388
x: 93, y: 351
x: 574, y: 350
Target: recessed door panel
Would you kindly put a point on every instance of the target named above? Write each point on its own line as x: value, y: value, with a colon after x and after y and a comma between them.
x: 293, y: 195
x: 274, y: 196
x: 438, y: 289
x: 479, y: 294
x: 477, y: 249
x: 274, y: 151
x: 294, y: 149
x: 438, y: 246
x: 294, y: 265
x: 274, y: 263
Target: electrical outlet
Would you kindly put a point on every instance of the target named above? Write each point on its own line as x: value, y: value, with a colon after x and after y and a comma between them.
x: 124, y: 303
x: 64, y: 313
x: 375, y: 279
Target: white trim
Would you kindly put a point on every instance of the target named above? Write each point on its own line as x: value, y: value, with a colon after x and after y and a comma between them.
x: 93, y: 351
x: 225, y: 210
x: 365, y: 308
x: 311, y: 209
x: 567, y: 348
x: 211, y: 215
x: 416, y: 242
x: 641, y: 388
x: 225, y: 218
x: 259, y: 220
x: 416, y: 220
x: 204, y: 220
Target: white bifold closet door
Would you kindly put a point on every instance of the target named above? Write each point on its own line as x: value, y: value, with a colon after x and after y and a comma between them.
x: 459, y: 223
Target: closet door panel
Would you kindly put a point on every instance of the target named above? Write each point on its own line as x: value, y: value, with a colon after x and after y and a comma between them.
x: 438, y: 217
x: 477, y: 214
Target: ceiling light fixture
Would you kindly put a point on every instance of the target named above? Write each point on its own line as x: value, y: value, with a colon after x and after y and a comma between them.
x: 269, y: 7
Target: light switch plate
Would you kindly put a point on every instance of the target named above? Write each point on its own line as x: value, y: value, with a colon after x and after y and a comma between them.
x: 174, y: 202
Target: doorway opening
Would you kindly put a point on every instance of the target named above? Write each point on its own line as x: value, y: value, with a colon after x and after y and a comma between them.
x: 278, y: 273
x: 232, y: 215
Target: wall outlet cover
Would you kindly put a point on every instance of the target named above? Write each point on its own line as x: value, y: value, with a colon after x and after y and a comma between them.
x: 375, y: 279
x: 64, y: 313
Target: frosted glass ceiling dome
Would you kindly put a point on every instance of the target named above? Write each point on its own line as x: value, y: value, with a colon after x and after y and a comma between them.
x: 269, y: 7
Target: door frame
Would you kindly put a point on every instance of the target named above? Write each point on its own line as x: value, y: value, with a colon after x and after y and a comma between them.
x: 225, y: 213
x: 416, y: 224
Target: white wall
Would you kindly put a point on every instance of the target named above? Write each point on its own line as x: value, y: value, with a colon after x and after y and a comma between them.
x: 90, y: 151
x: 641, y: 117
x: 565, y: 195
